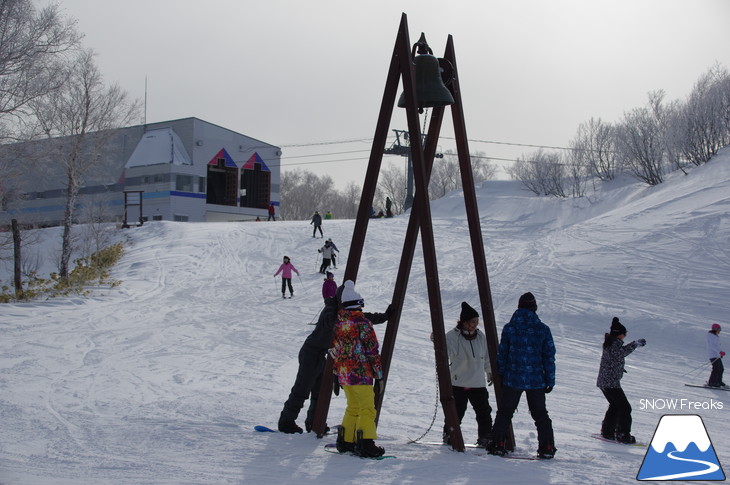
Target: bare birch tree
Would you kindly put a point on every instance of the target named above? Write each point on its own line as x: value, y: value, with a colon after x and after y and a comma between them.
x: 641, y: 140
x: 33, y: 52
x: 594, y: 147
x: 80, y: 117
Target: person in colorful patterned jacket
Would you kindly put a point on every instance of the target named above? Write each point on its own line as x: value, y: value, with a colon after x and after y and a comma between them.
x: 312, y: 363
x: 616, y: 423
x: 356, y: 364
x: 526, y: 362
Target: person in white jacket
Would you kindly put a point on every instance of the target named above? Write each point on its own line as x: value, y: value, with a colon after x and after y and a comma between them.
x: 470, y: 371
x: 715, y: 354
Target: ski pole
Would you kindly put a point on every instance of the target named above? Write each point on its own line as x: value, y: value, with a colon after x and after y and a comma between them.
x: 276, y: 286
x: 695, y: 369
x: 316, y: 263
x: 302, y: 283
x: 311, y: 322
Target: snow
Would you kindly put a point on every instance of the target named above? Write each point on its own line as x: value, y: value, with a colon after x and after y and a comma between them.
x: 162, y: 379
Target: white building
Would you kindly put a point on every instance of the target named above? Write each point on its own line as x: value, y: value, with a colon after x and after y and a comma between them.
x: 186, y: 170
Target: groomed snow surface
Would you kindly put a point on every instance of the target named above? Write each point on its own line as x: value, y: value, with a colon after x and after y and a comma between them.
x: 162, y: 379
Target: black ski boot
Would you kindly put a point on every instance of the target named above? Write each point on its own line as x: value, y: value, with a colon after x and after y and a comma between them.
x: 367, y: 448
x: 497, y: 446
x: 484, y: 441
x: 546, y: 451
x: 289, y: 427
x: 342, y: 445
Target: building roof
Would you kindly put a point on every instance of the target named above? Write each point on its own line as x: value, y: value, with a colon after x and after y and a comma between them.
x: 157, y: 146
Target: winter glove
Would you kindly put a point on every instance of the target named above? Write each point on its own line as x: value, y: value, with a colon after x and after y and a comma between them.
x: 389, y: 311
x: 548, y: 389
x: 722, y: 354
x: 378, y: 387
x: 641, y: 342
x: 336, y: 386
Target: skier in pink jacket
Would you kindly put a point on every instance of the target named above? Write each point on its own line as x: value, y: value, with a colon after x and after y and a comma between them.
x: 285, y: 269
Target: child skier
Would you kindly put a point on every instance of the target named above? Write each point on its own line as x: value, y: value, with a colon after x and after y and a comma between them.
x: 285, y: 269
x: 329, y: 287
x: 327, y: 252
x: 715, y: 353
x: 617, y: 421
x: 356, y: 364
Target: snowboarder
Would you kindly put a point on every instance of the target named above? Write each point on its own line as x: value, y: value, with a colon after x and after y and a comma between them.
x: 327, y: 251
x: 526, y: 361
x: 311, y: 365
x: 334, y: 256
x: 317, y: 221
x: 616, y: 423
x: 469, y: 364
x: 715, y: 354
x: 357, y: 367
x: 285, y: 269
x: 329, y: 287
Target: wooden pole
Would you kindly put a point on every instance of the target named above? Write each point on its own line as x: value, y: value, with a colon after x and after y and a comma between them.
x: 475, y: 230
x: 17, y: 260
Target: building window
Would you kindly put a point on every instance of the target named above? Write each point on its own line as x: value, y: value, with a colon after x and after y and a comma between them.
x: 179, y: 218
x: 184, y: 183
x: 156, y: 218
x: 201, y: 184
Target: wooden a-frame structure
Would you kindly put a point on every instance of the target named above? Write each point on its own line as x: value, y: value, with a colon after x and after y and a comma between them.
x: 401, y: 66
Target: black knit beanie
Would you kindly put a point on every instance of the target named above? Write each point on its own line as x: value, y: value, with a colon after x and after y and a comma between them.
x: 467, y: 312
x: 617, y: 327
x: 528, y: 301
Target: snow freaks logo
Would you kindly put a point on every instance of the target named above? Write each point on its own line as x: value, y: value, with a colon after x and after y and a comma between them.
x: 680, y: 450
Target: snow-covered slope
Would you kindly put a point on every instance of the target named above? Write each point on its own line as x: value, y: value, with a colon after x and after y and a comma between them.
x: 161, y: 380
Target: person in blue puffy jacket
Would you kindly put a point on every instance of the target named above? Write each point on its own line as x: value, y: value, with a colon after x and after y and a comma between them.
x: 526, y: 362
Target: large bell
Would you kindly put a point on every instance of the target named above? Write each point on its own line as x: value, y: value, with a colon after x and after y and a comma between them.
x: 431, y: 74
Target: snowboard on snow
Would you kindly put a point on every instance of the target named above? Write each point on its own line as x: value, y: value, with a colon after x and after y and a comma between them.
x: 511, y: 456
x: 266, y: 429
x: 332, y: 448
x: 601, y: 438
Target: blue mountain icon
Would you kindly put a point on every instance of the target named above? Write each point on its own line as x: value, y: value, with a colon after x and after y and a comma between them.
x: 681, y: 450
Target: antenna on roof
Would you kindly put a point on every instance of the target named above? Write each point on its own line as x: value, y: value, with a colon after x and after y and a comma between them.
x: 144, y: 121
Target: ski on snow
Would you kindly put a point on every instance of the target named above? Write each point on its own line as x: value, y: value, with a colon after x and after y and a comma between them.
x: 332, y: 448
x: 705, y: 386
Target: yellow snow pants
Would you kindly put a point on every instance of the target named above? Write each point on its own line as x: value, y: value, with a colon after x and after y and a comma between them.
x: 360, y: 412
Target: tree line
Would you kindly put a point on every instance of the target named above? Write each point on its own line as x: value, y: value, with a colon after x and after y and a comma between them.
x: 303, y: 192
x: 52, y: 88
x: 647, y: 143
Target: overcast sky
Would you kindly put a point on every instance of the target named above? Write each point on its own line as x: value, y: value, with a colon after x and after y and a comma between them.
x: 294, y: 72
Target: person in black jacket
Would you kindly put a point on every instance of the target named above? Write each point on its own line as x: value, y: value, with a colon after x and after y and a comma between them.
x: 616, y: 423
x: 317, y: 221
x: 311, y: 365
